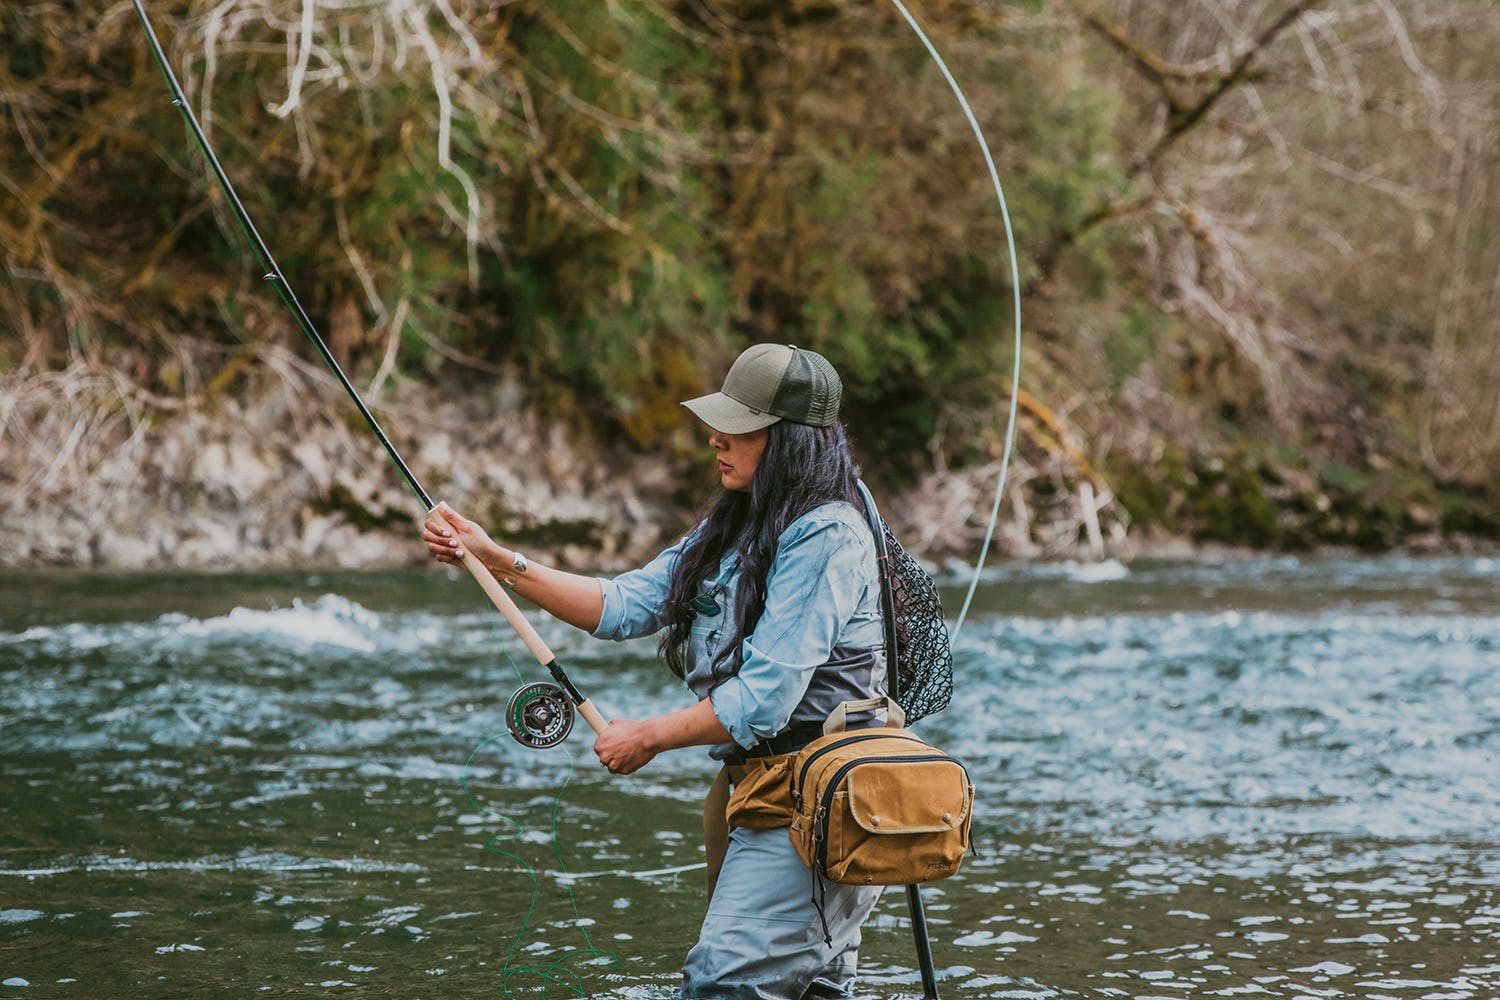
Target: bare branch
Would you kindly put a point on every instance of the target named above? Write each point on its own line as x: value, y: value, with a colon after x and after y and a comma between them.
x: 301, y: 51
x: 439, y: 69
x: 1179, y: 123
x: 1431, y: 88
x: 1151, y: 66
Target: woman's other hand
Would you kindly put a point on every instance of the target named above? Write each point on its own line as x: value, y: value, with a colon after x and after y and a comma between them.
x: 450, y: 535
x: 625, y: 746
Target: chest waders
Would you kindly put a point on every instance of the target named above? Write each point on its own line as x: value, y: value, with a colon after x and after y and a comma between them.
x: 715, y: 825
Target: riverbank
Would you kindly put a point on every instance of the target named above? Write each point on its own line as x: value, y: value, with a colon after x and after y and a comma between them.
x: 1260, y: 318
x: 281, y: 473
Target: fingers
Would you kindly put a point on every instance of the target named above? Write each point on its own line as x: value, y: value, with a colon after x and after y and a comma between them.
x: 604, y: 752
x: 441, y: 541
x: 441, y: 523
x: 618, y: 766
x: 616, y: 751
x: 450, y: 515
x: 443, y: 529
x: 444, y: 539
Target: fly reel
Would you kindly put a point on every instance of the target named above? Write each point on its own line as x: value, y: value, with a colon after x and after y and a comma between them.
x: 540, y: 715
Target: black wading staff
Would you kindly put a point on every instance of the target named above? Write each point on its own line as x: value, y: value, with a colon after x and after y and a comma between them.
x: 539, y: 715
x: 893, y: 677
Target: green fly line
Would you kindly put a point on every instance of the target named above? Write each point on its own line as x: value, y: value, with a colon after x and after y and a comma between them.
x: 553, y: 971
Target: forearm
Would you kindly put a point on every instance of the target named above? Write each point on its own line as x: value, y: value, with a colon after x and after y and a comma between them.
x: 626, y: 745
x: 689, y: 727
x: 575, y: 599
x: 571, y: 597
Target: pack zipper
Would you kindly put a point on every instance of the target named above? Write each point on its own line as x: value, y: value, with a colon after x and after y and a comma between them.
x: 820, y: 819
x: 857, y: 737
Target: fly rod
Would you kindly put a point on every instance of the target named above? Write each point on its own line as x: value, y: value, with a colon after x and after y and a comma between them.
x: 539, y: 715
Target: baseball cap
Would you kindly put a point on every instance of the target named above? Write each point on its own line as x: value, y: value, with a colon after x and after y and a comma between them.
x: 771, y: 382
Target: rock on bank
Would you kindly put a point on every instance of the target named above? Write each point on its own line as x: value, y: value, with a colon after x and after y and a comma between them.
x: 96, y: 474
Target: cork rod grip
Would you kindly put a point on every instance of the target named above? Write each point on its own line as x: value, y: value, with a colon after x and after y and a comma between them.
x: 507, y: 607
x: 500, y: 599
x: 591, y: 716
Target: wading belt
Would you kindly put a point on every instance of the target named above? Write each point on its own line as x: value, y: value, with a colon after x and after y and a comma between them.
x: 715, y: 821
x: 790, y: 740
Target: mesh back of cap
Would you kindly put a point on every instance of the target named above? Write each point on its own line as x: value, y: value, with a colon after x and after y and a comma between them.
x: 810, y: 390
x: 828, y: 391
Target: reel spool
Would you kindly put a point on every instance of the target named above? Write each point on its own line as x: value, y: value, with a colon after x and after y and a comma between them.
x: 540, y: 715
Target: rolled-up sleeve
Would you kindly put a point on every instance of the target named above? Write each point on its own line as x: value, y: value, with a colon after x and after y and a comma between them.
x: 635, y: 602
x: 813, y: 589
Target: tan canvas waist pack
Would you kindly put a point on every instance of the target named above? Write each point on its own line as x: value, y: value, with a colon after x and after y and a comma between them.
x: 878, y: 806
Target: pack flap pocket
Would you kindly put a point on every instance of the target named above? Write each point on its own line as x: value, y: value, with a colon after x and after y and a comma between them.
x: 929, y: 796
x: 763, y: 798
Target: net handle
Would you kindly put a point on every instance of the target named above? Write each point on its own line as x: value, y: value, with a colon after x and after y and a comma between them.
x: 887, y: 599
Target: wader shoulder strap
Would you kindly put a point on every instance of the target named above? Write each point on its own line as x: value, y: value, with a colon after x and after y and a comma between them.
x: 895, y: 718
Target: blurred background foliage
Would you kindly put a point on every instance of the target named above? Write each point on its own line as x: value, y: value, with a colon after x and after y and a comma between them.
x: 1258, y: 239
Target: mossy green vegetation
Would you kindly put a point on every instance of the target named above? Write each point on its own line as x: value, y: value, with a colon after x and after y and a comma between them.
x: 1254, y: 300
x: 338, y: 499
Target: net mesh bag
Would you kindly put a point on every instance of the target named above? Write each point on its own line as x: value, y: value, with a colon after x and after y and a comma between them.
x: 923, y: 670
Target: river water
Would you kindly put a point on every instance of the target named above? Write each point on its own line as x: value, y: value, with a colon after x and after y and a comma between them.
x: 1264, y: 778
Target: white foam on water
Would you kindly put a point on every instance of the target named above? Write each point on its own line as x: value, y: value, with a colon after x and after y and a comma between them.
x: 1104, y: 571
x: 19, y: 916
x: 247, y: 861
x: 1328, y: 968
x: 1099, y: 572
x: 72, y: 636
x: 328, y: 621
x: 331, y: 620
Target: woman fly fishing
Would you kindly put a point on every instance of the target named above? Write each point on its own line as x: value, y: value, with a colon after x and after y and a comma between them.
x: 770, y: 610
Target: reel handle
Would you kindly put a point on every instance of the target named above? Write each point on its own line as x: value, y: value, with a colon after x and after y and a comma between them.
x: 507, y: 607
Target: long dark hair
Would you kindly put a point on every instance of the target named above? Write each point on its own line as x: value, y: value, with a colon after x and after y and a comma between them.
x: 801, y: 468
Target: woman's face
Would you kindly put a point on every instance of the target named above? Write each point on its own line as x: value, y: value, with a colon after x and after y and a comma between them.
x: 739, y: 454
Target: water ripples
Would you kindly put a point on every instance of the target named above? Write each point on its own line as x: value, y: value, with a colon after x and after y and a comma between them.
x: 1270, y: 777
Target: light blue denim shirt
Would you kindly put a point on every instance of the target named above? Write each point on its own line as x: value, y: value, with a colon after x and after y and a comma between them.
x: 810, y: 650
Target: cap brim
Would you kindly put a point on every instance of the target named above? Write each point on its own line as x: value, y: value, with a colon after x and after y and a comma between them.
x: 728, y: 416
